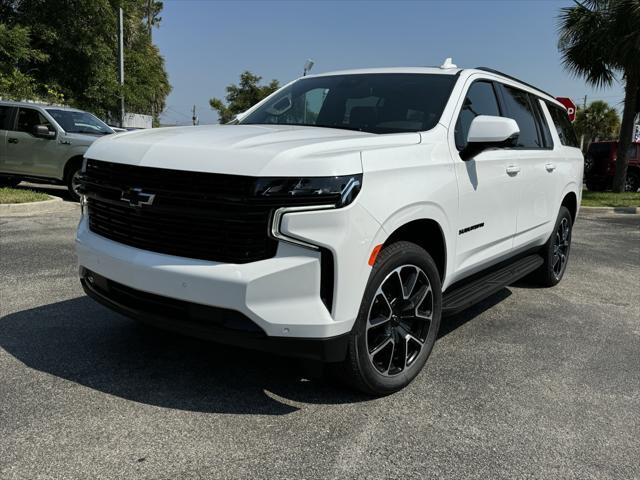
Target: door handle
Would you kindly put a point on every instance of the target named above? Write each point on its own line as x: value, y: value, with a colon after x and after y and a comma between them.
x: 513, y: 169
x: 12, y: 140
x: 550, y: 167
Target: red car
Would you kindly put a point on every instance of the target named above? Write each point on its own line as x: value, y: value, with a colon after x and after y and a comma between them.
x: 600, y: 166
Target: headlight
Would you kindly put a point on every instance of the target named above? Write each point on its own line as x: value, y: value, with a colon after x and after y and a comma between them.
x: 337, y: 191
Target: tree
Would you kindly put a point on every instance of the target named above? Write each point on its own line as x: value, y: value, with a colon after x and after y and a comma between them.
x: 600, y: 40
x: 598, y: 121
x: 79, y: 42
x: 243, y: 96
x: 16, y: 53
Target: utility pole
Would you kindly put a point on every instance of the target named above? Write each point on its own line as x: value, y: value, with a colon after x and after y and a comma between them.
x: 194, y: 118
x: 150, y: 17
x: 121, y: 61
x: 584, y: 106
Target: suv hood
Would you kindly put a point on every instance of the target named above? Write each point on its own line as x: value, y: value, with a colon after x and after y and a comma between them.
x: 80, y: 138
x: 254, y: 150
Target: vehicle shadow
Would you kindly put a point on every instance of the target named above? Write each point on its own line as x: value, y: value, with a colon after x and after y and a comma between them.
x: 449, y: 324
x: 83, y: 342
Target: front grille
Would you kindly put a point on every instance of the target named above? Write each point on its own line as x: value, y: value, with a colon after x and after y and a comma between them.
x: 197, y: 215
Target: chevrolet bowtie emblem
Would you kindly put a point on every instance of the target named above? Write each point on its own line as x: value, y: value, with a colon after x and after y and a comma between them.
x: 136, y: 197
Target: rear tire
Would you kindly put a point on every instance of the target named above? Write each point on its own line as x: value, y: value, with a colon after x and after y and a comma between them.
x: 397, y: 323
x: 9, y: 181
x: 556, y: 251
x: 632, y: 183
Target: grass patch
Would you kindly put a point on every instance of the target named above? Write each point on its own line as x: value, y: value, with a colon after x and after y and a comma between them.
x: 609, y: 199
x: 14, y: 195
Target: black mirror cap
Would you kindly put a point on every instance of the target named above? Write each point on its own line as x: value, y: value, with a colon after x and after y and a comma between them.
x: 43, y: 132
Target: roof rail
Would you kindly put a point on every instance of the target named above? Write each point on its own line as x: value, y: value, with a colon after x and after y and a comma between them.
x: 510, y: 77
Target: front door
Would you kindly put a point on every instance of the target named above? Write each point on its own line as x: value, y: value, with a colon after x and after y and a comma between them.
x: 487, y: 212
x: 27, y: 154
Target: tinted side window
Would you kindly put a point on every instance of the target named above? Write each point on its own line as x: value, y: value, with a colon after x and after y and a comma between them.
x: 563, y: 126
x: 5, y: 114
x: 29, y: 118
x: 542, y: 122
x: 480, y: 100
x: 519, y: 107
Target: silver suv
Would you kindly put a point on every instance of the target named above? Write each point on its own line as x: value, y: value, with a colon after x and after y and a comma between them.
x: 45, y: 143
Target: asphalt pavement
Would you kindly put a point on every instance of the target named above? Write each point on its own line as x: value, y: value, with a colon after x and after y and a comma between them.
x: 532, y: 383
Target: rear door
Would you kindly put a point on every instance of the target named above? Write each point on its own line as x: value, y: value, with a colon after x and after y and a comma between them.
x: 27, y: 154
x: 487, y: 212
x: 536, y: 163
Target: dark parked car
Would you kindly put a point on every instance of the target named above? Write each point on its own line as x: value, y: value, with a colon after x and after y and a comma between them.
x: 600, y: 166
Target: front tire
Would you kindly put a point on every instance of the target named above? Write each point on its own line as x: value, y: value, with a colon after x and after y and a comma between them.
x: 73, y: 182
x: 556, y: 251
x: 397, y: 323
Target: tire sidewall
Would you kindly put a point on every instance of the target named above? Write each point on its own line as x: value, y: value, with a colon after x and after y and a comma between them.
x: 403, y: 253
x: 551, y: 278
x: 633, y: 181
x: 70, y: 174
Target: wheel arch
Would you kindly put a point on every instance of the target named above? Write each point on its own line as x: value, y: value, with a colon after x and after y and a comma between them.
x: 570, y: 201
x: 426, y: 233
x: 70, y: 163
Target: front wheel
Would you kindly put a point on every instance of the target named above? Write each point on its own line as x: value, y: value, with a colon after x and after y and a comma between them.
x: 556, y: 251
x: 73, y: 183
x: 397, y: 323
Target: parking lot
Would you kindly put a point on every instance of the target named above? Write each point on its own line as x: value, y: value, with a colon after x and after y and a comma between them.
x: 532, y: 383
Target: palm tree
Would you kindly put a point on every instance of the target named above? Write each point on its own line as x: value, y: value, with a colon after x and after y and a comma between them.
x: 600, y: 40
x: 598, y: 121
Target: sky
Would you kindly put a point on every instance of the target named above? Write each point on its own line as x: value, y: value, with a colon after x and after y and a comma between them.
x: 208, y: 43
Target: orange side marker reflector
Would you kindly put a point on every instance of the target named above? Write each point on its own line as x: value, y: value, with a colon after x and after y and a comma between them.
x: 374, y: 254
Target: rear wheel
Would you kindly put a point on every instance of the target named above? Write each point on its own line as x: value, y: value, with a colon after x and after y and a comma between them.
x: 9, y: 181
x: 632, y: 183
x: 398, y: 321
x: 556, y: 251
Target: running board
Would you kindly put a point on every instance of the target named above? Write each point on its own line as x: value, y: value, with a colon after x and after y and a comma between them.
x: 480, y: 287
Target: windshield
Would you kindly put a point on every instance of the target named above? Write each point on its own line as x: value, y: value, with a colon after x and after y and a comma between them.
x: 79, y: 122
x: 376, y: 103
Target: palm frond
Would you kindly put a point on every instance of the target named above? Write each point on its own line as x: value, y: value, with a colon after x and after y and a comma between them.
x: 585, y: 41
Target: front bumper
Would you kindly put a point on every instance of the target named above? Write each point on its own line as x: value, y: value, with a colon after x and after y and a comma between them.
x: 209, y: 323
x: 280, y: 295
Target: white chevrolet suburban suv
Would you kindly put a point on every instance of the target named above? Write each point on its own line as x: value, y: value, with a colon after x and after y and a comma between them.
x: 337, y: 220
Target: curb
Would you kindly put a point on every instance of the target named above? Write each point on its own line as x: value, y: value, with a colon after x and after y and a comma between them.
x: 31, y: 207
x: 623, y: 210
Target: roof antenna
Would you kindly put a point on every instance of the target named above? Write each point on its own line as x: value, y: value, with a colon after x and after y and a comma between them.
x: 448, y: 64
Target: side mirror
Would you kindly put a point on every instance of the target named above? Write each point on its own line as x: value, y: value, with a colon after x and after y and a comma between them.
x: 43, y: 131
x: 487, y: 131
x: 490, y: 129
